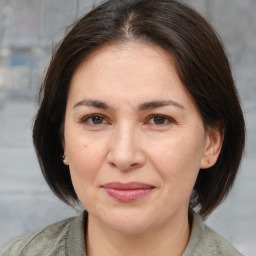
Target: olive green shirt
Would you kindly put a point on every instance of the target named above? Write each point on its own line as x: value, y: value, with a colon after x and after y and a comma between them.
x: 66, y: 238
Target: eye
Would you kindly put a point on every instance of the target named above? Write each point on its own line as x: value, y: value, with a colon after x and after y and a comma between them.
x: 95, y: 120
x: 160, y: 120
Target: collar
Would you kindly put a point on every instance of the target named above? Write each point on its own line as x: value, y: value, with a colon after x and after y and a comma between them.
x: 75, y: 244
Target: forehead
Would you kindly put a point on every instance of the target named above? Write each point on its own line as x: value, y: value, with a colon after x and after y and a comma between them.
x: 133, y: 69
x: 131, y: 53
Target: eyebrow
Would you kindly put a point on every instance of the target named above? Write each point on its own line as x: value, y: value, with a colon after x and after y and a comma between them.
x: 142, y: 107
x: 93, y: 103
x: 159, y: 104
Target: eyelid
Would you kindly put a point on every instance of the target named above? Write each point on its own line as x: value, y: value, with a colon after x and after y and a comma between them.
x: 170, y: 119
x: 87, y: 117
x: 106, y: 120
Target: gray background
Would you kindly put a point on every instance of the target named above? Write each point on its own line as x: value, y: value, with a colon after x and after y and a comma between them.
x: 28, y: 31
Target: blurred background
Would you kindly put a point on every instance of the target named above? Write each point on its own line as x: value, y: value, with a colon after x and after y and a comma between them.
x: 29, y: 29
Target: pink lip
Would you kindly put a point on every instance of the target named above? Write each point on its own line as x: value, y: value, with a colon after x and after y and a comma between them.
x: 127, y: 192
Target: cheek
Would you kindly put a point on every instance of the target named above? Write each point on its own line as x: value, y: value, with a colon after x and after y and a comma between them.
x: 85, y: 160
x: 178, y: 160
x: 84, y: 163
x: 82, y: 150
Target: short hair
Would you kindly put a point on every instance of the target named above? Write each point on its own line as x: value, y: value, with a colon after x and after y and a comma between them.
x: 200, y: 61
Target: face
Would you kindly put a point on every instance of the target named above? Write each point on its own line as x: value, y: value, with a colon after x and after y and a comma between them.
x: 133, y: 138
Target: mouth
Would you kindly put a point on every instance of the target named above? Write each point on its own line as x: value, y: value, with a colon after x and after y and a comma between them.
x: 127, y: 192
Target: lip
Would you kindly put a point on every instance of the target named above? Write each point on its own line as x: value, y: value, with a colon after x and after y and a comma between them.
x: 127, y: 192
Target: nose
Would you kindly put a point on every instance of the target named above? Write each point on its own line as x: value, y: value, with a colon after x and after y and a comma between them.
x: 125, y: 152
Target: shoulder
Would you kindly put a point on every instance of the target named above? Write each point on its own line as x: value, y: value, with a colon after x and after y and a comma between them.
x: 205, y: 241
x: 48, y: 241
x: 219, y: 244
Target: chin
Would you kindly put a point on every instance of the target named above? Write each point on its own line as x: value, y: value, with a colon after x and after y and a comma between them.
x: 131, y: 227
x: 126, y: 221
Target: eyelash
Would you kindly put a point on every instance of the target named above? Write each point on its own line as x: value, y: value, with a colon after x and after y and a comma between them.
x: 166, y: 120
x: 163, y: 117
x: 87, y: 118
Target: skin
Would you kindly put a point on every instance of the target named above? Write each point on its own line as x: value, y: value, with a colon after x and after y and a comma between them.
x: 125, y: 143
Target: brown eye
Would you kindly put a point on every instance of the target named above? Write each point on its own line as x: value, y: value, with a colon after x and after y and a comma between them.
x: 159, y: 120
x: 97, y: 119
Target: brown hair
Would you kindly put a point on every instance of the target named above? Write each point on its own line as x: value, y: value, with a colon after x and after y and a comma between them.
x: 202, y: 66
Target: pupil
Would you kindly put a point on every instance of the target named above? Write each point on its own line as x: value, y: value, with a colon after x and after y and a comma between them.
x: 159, y: 120
x: 97, y: 119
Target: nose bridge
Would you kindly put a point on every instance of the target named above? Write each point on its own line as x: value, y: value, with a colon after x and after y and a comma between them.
x: 125, y: 152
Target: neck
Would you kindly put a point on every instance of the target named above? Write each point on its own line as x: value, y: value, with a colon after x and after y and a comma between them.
x: 168, y: 240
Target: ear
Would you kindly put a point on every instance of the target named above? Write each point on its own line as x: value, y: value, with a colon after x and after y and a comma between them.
x: 213, y: 145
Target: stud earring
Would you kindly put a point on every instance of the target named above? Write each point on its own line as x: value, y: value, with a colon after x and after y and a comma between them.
x: 64, y: 159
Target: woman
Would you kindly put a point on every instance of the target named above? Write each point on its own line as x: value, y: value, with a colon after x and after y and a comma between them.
x: 140, y: 102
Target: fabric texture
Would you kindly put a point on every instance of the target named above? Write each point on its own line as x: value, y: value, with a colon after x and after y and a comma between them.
x: 66, y: 238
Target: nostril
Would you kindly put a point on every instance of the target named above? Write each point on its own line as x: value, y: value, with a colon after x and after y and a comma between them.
x: 124, y: 167
x: 125, y: 156
x: 112, y: 164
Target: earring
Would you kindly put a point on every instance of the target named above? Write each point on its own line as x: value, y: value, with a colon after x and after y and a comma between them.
x: 209, y: 161
x: 64, y: 159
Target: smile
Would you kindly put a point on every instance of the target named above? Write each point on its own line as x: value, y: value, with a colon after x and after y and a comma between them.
x: 127, y: 192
